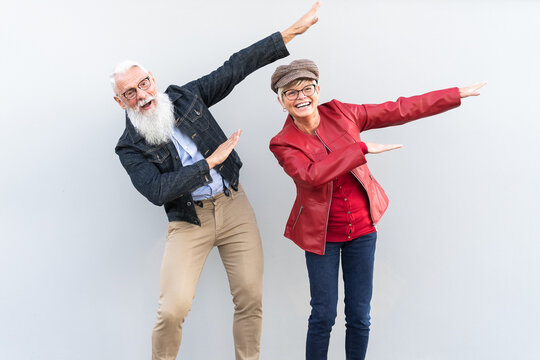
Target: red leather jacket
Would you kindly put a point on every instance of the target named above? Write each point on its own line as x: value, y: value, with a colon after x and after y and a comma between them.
x: 312, y: 161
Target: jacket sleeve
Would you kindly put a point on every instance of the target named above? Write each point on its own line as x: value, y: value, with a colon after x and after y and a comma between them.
x: 219, y: 83
x: 160, y: 188
x: 401, y: 111
x: 316, y: 173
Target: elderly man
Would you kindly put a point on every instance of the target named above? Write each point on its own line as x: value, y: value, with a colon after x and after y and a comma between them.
x: 177, y: 156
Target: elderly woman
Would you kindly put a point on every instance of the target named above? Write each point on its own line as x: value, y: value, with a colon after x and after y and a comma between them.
x: 338, y: 201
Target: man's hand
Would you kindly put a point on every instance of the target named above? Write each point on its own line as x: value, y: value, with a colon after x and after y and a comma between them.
x: 302, y: 24
x: 223, y: 150
x: 471, y: 90
x: 379, y: 148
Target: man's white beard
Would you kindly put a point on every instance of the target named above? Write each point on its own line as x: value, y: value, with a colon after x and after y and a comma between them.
x: 156, y: 125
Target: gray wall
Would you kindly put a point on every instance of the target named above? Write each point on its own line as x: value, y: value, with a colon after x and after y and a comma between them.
x: 457, y: 269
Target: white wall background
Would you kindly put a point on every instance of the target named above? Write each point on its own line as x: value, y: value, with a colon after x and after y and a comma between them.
x: 457, y: 268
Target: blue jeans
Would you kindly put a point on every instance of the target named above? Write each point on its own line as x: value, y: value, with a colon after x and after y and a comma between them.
x: 357, y: 262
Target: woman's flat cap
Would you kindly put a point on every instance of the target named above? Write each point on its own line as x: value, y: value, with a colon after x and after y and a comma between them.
x: 298, y: 69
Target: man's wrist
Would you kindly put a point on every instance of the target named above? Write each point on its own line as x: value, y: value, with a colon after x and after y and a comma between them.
x: 210, y: 163
x: 287, y: 35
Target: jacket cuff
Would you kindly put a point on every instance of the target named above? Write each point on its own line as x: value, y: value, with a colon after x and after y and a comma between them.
x: 457, y: 95
x: 279, y: 44
x: 204, y: 172
x: 363, y: 146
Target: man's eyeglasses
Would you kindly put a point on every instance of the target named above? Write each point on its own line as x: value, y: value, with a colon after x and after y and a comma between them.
x: 144, y: 84
x: 307, y: 91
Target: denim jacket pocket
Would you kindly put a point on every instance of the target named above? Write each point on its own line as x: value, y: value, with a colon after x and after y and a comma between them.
x: 197, y: 118
x: 159, y: 156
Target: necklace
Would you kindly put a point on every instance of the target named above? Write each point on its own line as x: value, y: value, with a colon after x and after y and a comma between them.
x: 303, y: 128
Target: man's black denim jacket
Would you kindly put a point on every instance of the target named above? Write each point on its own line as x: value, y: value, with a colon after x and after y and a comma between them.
x: 156, y: 171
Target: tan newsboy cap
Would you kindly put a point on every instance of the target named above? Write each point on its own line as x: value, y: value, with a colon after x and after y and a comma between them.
x: 298, y: 69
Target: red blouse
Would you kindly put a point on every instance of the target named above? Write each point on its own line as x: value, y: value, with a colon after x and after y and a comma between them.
x: 349, y: 212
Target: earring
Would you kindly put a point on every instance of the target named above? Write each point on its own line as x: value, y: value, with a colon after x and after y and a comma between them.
x: 284, y: 110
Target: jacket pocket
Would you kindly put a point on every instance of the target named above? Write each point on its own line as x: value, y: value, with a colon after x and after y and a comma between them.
x: 160, y: 157
x: 298, y: 216
x: 196, y: 116
x: 157, y: 155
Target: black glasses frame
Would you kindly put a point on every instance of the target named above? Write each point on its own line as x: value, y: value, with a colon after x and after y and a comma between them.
x: 140, y: 86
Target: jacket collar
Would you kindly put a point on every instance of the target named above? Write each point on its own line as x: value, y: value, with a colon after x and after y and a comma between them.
x: 173, y: 95
x: 290, y: 128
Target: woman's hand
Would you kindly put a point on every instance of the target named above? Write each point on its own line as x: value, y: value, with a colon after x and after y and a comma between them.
x: 302, y: 24
x: 471, y: 90
x: 223, y: 150
x: 379, y: 148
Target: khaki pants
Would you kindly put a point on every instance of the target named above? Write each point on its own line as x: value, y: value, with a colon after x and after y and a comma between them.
x: 228, y: 222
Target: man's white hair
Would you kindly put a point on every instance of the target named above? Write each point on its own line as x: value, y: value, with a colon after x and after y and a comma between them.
x: 121, y: 68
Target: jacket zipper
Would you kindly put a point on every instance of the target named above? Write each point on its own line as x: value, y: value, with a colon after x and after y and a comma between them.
x: 297, y: 216
x: 369, y: 201
x: 331, y: 194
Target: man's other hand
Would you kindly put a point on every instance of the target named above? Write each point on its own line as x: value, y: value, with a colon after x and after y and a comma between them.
x: 223, y: 150
x: 301, y: 25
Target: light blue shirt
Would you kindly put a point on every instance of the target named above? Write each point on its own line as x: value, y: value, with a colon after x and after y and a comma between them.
x: 189, y: 154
